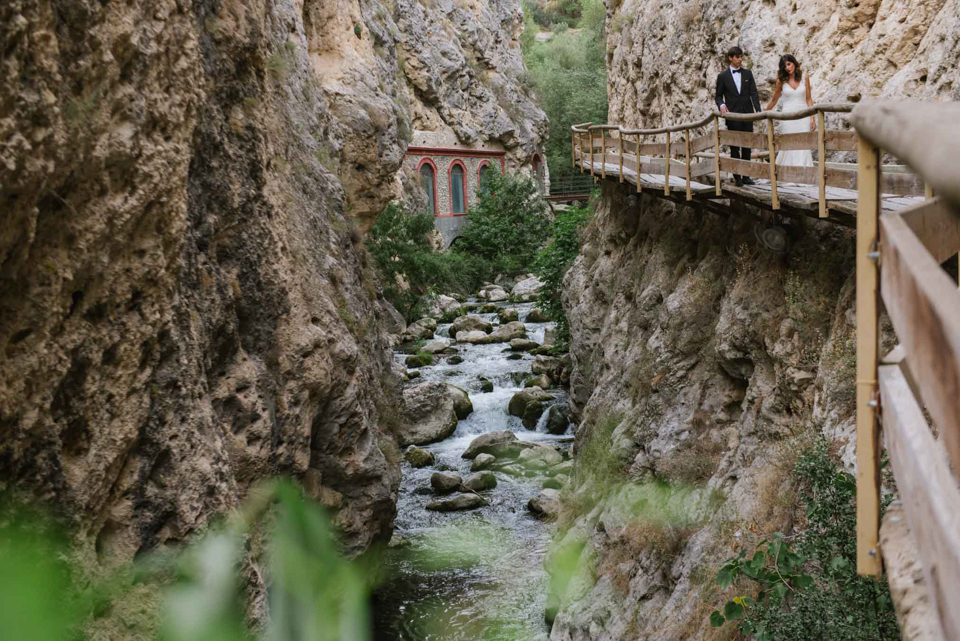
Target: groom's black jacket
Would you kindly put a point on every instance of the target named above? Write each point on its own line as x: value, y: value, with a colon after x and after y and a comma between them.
x: 745, y: 102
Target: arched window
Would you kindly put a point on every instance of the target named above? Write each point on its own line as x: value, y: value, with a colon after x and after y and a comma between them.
x: 458, y: 188
x: 428, y: 181
x: 483, y: 177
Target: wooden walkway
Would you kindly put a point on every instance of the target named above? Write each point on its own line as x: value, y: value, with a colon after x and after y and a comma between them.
x: 698, y: 175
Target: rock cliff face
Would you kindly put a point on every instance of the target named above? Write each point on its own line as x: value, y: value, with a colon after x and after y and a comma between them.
x: 185, y: 304
x: 712, y: 361
x: 663, y: 68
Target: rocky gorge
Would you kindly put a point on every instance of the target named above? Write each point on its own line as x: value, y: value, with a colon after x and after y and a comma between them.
x: 701, y: 361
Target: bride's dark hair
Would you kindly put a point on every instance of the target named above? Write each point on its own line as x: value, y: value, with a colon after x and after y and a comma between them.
x: 783, y: 75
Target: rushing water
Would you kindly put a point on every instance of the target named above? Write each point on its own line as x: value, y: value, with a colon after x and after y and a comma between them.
x: 477, y: 574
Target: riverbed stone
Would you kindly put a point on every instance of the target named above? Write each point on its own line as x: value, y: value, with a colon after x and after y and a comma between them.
x: 456, y: 359
x: 552, y: 484
x: 543, y: 349
x: 527, y: 289
x: 542, y: 381
x: 461, y: 401
x: 486, y: 385
x: 546, y: 504
x: 502, y: 444
x: 523, y: 345
x: 483, y: 462
x: 507, y: 315
x: 562, y: 479
x: 540, y: 456
x: 514, y: 357
x: 494, y: 294
x: 470, y: 324
x: 531, y: 414
x: 563, y: 468
x: 436, y: 346
x: 412, y: 374
x: 457, y: 503
x: 445, y: 482
x: 418, y: 457
x: 489, y: 308
x: 537, y: 316
x: 558, y: 419
x: 508, y: 332
x: 481, y: 481
x: 518, y: 404
x: 548, y: 365
x: 437, y: 306
x: 428, y: 414
x: 418, y: 360
x: 422, y: 329
x: 476, y: 337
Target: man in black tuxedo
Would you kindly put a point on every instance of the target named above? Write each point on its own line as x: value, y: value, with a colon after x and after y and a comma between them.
x: 737, y: 92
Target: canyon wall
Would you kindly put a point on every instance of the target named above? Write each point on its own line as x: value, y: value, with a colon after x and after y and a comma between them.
x: 186, y: 306
x: 709, y: 362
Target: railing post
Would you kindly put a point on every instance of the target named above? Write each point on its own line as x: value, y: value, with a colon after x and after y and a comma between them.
x: 573, y: 150
x: 666, y: 170
x: 868, y: 442
x: 822, y: 147
x: 716, y: 152
x: 686, y: 144
x: 603, y: 154
x: 773, y: 165
x: 620, y: 152
x: 638, y: 163
x: 592, y: 172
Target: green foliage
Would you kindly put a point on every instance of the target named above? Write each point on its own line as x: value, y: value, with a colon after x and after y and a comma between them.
x: 401, y: 250
x: 315, y: 594
x: 569, y: 74
x: 507, y: 225
x: 555, y: 259
x: 811, y: 590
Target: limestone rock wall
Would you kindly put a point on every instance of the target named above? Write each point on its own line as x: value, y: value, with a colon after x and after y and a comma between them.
x: 663, y: 56
x: 185, y: 305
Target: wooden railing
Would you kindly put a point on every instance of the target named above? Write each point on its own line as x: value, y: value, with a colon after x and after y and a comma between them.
x: 632, y: 149
x: 899, y: 258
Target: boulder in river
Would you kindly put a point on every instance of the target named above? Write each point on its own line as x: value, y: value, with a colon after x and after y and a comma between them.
x: 546, y: 504
x: 461, y: 402
x: 459, y: 502
x: 482, y: 462
x: 537, y: 316
x: 527, y: 289
x: 542, y: 381
x: 436, y: 346
x: 515, y: 357
x: 481, y: 481
x: 486, y: 385
x: 422, y: 329
x: 508, y: 314
x: 531, y: 414
x: 518, y: 404
x: 508, y: 332
x: 418, y: 457
x: 456, y: 359
x: 502, y: 444
x: 445, y: 482
x: 420, y: 359
x: 543, y: 349
x: 540, y: 456
x: 437, y: 306
x: 470, y: 324
x: 558, y: 419
x: 413, y: 374
x: 428, y: 414
x: 552, y: 484
x: 523, y: 345
x: 562, y: 479
x: 494, y: 294
x: 563, y: 468
x: 546, y: 365
x: 489, y: 308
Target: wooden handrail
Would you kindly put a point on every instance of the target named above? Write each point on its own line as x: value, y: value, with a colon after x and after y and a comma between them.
x: 904, y: 129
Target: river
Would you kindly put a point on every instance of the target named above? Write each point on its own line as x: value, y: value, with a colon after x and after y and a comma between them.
x: 478, y: 574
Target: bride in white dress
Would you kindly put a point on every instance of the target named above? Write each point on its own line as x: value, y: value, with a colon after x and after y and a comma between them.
x: 796, y: 96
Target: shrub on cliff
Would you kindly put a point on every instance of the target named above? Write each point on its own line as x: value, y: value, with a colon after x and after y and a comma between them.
x: 555, y: 259
x: 508, y: 224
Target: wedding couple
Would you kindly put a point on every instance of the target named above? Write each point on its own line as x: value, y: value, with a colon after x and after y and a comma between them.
x: 737, y: 93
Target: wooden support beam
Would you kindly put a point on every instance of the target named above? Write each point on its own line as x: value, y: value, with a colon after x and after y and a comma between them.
x: 666, y: 173
x: 937, y: 226
x: 686, y: 144
x: 822, y: 149
x: 773, y: 166
x: 930, y: 495
x: 716, y: 155
x: 927, y: 192
x: 573, y: 151
x: 620, y: 151
x: 868, y: 450
x: 592, y: 170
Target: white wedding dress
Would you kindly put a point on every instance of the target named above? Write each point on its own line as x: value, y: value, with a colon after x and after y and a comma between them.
x: 794, y: 100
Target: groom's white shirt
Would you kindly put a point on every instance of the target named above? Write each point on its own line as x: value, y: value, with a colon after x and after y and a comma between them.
x: 736, y: 78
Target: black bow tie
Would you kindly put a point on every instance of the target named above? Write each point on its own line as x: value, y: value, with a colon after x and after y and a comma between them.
x: 737, y: 70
